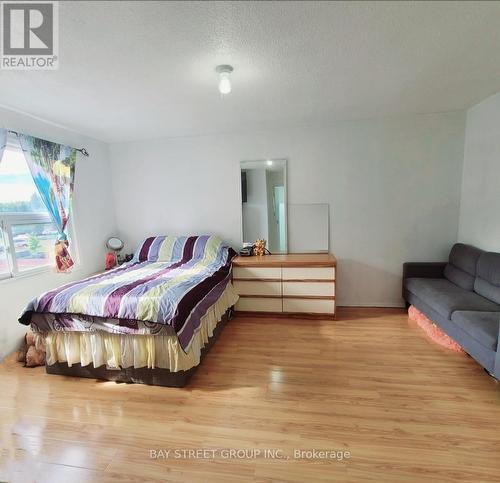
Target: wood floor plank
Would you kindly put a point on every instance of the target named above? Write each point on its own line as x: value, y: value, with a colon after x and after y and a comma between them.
x: 370, y: 384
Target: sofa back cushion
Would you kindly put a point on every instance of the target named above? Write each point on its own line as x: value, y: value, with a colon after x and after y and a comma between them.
x: 487, y: 282
x: 462, y: 265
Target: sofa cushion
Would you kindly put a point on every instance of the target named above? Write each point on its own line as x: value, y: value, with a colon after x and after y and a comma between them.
x: 481, y: 326
x: 487, y: 282
x: 462, y: 265
x: 446, y: 297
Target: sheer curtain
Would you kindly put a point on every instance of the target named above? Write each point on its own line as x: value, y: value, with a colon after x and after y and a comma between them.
x: 52, y: 166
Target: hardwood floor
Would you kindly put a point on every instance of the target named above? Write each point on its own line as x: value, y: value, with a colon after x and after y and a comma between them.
x: 369, y: 383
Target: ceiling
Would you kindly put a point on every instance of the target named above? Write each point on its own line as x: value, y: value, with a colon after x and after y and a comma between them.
x: 138, y: 70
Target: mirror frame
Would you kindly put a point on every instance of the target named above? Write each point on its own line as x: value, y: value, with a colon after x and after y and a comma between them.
x: 263, y: 162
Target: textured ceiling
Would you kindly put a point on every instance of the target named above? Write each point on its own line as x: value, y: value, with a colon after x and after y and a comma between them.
x: 136, y: 70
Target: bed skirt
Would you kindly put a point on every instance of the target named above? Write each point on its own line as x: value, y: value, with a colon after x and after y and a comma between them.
x: 143, y: 375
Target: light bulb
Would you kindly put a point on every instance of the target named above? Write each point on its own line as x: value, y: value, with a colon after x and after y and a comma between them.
x: 269, y: 162
x: 224, y: 72
x: 224, y: 83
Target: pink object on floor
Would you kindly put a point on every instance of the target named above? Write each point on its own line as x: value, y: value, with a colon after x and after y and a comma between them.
x: 434, y: 332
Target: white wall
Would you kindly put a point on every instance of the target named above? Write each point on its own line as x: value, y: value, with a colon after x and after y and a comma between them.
x: 480, y: 204
x: 393, y: 187
x: 93, y: 217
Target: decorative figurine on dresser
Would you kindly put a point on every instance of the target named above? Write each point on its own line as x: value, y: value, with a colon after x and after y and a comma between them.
x: 259, y: 247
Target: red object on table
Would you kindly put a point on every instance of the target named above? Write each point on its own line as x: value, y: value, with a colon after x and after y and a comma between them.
x: 110, y: 260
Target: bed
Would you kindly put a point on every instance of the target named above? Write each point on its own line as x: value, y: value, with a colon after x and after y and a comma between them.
x: 151, y: 320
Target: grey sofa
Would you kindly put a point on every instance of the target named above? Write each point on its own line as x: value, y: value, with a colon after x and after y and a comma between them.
x: 462, y: 297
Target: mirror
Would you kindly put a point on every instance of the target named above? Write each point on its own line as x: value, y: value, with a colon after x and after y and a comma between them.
x: 263, y: 203
x: 114, y: 244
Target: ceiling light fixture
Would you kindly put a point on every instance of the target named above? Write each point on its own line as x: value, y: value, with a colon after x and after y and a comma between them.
x: 224, y: 71
x: 269, y: 162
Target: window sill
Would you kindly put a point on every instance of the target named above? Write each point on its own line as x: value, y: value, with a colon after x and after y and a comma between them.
x: 36, y: 272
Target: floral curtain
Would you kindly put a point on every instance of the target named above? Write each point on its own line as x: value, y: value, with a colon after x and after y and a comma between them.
x: 52, y: 166
x: 3, y: 141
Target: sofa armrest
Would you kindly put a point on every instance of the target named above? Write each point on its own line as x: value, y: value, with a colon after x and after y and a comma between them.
x: 423, y: 269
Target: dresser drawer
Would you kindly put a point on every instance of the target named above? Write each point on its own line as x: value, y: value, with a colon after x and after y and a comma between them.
x: 314, y: 306
x: 308, y: 273
x: 321, y: 289
x: 257, y: 272
x: 258, y: 287
x: 257, y: 304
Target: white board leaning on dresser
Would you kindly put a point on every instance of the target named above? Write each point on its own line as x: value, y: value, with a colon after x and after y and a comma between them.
x: 309, y: 228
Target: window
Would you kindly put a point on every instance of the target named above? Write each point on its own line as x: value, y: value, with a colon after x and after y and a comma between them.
x: 27, y: 234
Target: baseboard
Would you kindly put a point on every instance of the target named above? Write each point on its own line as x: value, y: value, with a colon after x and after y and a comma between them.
x: 380, y: 305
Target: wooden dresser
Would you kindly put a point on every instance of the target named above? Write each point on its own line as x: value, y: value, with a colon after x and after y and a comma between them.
x: 296, y: 284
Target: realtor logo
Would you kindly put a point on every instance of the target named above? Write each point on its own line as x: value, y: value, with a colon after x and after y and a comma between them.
x: 29, y: 35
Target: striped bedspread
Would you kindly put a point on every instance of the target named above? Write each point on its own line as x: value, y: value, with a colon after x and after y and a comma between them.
x: 170, y: 281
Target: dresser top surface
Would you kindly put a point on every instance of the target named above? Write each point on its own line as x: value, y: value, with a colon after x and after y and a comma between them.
x: 290, y: 260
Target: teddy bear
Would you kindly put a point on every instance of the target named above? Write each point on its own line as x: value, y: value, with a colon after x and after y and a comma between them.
x: 31, y: 353
x: 259, y: 247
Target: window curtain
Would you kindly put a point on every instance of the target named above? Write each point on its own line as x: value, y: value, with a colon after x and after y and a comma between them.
x: 52, y: 166
x: 3, y: 141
